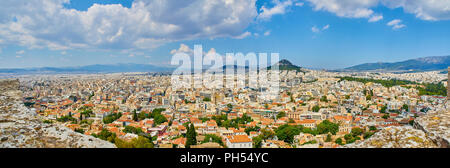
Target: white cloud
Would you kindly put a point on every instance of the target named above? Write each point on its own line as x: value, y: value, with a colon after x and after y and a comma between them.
x: 299, y: 4
x: 396, y: 24
x: 267, y: 33
x: 279, y: 8
x: 315, y: 29
x: 243, y: 35
x: 18, y: 56
x: 146, y: 24
x: 376, y: 18
x: 182, y: 49
x: 63, y: 52
x: 20, y: 52
x: 423, y: 9
x: 346, y: 8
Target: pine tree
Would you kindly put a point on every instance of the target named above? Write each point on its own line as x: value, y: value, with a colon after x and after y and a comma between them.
x: 190, y: 136
x: 135, y: 118
x: 194, y: 135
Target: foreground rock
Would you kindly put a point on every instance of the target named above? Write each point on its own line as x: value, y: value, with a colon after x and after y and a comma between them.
x: 23, y: 128
x: 436, y: 124
x: 396, y: 137
x: 430, y: 131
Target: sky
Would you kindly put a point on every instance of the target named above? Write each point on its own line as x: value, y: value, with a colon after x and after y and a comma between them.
x: 328, y: 34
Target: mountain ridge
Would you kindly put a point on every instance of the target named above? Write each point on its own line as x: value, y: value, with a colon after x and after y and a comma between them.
x: 430, y: 63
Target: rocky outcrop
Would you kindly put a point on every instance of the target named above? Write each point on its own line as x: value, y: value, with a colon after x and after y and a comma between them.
x: 396, y: 137
x: 429, y: 131
x: 436, y: 124
x: 22, y: 128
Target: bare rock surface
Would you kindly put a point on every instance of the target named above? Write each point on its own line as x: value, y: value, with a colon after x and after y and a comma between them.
x: 396, y: 137
x: 436, y: 124
x: 20, y: 127
x: 429, y: 131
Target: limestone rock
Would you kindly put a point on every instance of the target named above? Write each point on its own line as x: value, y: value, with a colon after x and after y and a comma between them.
x: 396, y: 137
x: 436, y: 124
x: 22, y: 128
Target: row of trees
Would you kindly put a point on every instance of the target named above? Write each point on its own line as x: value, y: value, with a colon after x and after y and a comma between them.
x: 213, y: 138
x: 140, y: 142
x: 158, y: 118
x: 427, y: 89
x: 112, y: 117
x: 355, y: 134
x: 385, y: 83
x: 222, y: 121
x: 287, y: 132
x: 265, y: 134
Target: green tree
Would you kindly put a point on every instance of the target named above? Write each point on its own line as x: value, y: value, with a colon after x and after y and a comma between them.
x: 338, y: 141
x: 230, y: 106
x: 135, y: 117
x: 105, y: 135
x: 405, y: 107
x: 281, y: 114
x: 267, y: 133
x: 328, y: 138
x: 383, y: 109
x: 250, y: 129
x: 111, y: 118
x: 191, y: 136
x: 133, y: 130
x: 160, y: 119
x: 327, y: 127
x: 324, y: 98
x: 141, y: 115
x: 257, y: 141
x: 213, y: 138
x: 81, y: 131
x: 287, y: 132
x: 316, y: 108
x: 356, y: 132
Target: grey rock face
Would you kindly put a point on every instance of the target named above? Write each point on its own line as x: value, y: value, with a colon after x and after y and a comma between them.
x: 429, y: 131
x: 436, y: 124
x: 396, y: 137
x: 21, y: 128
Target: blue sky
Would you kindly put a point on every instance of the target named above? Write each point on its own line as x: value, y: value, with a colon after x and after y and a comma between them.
x: 310, y: 33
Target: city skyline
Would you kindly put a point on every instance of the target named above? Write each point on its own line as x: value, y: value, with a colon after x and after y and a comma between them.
x: 310, y: 33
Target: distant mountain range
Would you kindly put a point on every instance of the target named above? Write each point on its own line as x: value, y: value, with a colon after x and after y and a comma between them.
x: 420, y: 64
x: 118, y: 68
x: 115, y: 68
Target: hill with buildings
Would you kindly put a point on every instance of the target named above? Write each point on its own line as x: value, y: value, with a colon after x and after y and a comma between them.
x: 284, y: 64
